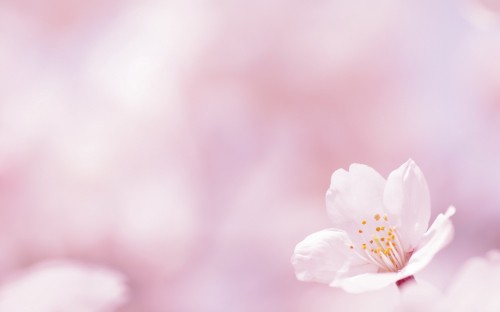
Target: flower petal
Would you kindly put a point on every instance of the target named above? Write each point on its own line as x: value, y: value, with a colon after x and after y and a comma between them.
x: 439, y: 234
x: 63, y: 286
x: 367, y: 282
x: 354, y: 196
x: 407, y: 203
x: 435, y: 239
x: 326, y: 256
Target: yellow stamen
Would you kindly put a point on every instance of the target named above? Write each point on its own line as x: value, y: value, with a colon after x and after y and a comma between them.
x: 377, y: 217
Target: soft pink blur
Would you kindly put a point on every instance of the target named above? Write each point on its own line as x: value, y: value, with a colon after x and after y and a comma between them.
x: 188, y: 145
x: 474, y: 288
x: 62, y: 286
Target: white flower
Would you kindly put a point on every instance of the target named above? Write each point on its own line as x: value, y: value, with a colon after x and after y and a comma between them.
x: 63, y: 286
x: 380, y: 233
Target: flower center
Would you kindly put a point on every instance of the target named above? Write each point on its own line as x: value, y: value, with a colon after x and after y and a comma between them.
x: 380, y: 244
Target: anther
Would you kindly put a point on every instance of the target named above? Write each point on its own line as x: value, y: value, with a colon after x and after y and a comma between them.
x: 360, y: 231
x: 377, y: 217
x: 363, y: 222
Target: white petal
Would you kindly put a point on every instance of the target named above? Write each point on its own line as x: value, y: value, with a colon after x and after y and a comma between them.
x: 436, y: 238
x: 63, y: 286
x: 367, y: 282
x: 407, y: 202
x: 326, y: 256
x: 354, y: 196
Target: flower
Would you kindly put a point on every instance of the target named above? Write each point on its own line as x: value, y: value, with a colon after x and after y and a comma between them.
x: 380, y: 233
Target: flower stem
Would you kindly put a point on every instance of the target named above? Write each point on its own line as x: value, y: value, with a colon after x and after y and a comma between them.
x: 405, y: 281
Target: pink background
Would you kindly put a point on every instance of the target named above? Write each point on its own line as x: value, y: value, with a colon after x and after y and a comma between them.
x: 189, y: 144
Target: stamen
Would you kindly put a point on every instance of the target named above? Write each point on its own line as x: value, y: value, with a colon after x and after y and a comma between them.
x: 385, y: 250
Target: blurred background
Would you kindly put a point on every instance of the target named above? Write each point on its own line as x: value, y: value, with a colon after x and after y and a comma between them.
x: 188, y: 145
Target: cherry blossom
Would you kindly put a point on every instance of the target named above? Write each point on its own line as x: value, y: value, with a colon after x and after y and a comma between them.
x: 380, y: 231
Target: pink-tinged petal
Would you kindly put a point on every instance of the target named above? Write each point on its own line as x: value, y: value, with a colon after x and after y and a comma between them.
x: 63, y: 286
x: 325, y: 256
x: 407, y: 203
x: 354, y: 196
x: 367, y: 282
x: 436, y: 238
